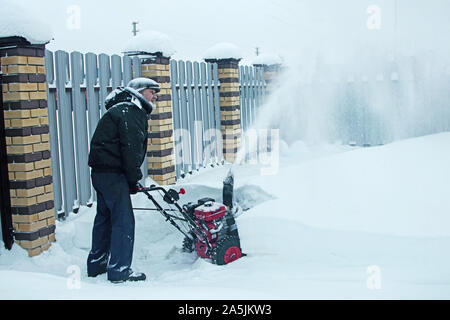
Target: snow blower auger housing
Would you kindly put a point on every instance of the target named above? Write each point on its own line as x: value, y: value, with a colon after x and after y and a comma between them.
x: 209, y: 227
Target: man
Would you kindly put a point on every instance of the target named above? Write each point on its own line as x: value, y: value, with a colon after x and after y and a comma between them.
x: 118, y: 148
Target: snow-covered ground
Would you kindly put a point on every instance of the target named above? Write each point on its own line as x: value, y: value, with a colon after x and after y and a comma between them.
x: 334, y: 222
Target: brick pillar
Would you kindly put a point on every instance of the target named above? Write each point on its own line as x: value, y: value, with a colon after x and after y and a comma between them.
x: 271, y: 73
x: 230, y: 106
x: 27, y: 143
x: 160, y: 156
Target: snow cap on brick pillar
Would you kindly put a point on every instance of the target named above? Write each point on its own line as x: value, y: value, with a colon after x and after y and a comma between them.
x: 154, y: 50
x: 227, y: 57
x: 18, y: 21
x: 22, y: 49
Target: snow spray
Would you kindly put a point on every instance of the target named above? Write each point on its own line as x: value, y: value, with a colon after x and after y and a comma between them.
x: 227, y: 199
x: 228, y: 185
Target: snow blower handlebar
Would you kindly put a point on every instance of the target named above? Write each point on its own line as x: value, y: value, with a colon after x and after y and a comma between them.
x: 171, y: 196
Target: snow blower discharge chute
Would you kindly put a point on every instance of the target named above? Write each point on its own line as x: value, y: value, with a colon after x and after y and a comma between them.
x: 209, y: 227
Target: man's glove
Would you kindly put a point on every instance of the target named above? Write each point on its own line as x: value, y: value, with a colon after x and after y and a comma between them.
x: 133, y: 188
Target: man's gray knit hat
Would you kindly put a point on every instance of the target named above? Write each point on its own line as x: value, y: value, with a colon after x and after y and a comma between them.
x: 140, y: 84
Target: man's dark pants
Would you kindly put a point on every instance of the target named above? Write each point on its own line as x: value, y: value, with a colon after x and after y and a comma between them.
x: 113, y: 231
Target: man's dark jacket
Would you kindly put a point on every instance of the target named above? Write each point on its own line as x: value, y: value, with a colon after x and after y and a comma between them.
x: 119, y: 143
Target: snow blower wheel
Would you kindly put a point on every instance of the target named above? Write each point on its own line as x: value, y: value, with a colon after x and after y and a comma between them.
x: 226, y: 250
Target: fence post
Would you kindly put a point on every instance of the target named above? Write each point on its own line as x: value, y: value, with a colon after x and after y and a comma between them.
x: 27, y: 143
x: 160, y: 155
x: 230, y: 106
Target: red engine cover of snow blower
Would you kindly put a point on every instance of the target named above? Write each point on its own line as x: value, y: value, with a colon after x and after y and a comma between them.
x: 210, y: 211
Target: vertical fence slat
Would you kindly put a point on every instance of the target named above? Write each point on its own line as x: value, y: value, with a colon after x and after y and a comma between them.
x: 245, y: 109
x: 116, y: 71
x: 240, y: 96
x: 137, y: 71
x: 65, y: 131
x: 249, y: 93
x: 262, y: 90
x: 54, y: 144
x: 263, y: 85
x: 205, y: 116
x: 93, y: 106
x: 257, y: 92
x: 242, y: 99
x: 127, y: 70
x: 104, y: 75
x: 217, y: 113
x: 184, y: 118
x: 252, y: 94
x: 198, y: 127
x: 257, y: 96
x: 80, y: 120
x: 253, y: 136
x: 176, y: 118
x: 92, y: 101
x: 247, y: 97
x: 251, y: 82
x: 252, y: 110
x: 212, y: 122
x: 242, y: 109
x: 191, y: 112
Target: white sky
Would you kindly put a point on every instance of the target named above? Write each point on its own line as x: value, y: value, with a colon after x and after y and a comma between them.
x: 289, y: 28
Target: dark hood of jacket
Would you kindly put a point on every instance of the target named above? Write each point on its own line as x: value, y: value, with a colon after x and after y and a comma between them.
x: 126, y: 94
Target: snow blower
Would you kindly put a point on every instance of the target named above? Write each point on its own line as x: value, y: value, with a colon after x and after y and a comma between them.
x: 209, y: 226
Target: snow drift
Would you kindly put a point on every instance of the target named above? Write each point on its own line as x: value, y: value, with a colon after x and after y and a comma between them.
x: 315, y: 230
